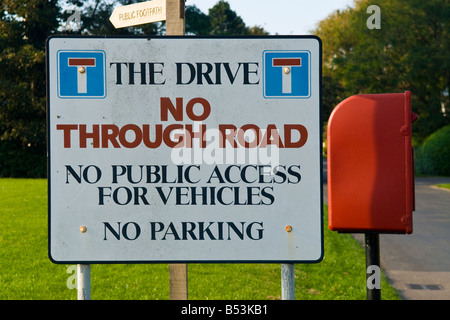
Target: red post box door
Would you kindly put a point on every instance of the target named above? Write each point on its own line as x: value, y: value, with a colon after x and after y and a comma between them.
x: 370, y: 164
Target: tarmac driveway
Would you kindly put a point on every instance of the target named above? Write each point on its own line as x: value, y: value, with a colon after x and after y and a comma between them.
x: 419, y: 264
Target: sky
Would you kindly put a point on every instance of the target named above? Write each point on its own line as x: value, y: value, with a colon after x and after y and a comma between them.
x: 282, y: 17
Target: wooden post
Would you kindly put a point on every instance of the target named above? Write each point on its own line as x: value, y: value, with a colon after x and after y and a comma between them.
x: 175, y: 26
x: 178, y: 281
x: 175, y: 12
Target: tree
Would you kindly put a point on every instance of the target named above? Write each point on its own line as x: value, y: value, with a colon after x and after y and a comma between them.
x: 197, y: 23
x: 94, y: 16
x: 409, y: 52
x: 24, y: 26
x: 220, y: 21
x: 257, y: 31
x: 225, y: 21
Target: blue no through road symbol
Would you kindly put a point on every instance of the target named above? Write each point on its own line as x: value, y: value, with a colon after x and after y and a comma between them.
x: 81, y: 74
x: 287, y: 74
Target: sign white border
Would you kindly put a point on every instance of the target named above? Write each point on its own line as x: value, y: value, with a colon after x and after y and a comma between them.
x: 213, y: 255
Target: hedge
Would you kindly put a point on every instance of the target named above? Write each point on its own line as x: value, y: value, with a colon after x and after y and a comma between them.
x: 433, y: 156
x: 18, y: 161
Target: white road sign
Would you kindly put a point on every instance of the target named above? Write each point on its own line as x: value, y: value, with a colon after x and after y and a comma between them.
x: 184, y: 149
x: 138, y: 13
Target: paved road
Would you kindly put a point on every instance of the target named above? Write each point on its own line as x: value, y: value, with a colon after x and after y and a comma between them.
x: 418, y: 265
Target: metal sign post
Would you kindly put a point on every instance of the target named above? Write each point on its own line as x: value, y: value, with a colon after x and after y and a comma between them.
x: 287, y: 281
x: 372, y: 246
x: 84, y: 281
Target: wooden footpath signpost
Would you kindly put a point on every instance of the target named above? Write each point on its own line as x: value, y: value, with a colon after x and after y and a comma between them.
x: 126, y: 16
x: 175, y: 26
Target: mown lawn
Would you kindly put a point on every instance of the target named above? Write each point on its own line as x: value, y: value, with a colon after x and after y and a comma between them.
x: 27, y: 273
x: 444, y: 185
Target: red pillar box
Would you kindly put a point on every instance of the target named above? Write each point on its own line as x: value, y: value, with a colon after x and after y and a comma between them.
x: 370, y: 164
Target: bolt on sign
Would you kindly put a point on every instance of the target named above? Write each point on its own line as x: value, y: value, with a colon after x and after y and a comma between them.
x: 184, y: 149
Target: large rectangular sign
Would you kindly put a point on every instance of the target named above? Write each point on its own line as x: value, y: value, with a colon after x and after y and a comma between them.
x: 184, y: 149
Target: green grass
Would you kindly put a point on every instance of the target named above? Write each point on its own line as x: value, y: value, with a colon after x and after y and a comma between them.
x: 27, y: 273
x: 444, y: 185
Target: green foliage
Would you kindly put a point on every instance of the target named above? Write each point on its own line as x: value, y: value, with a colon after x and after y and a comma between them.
x: 409, y: 52
x: 24, y: 27
x: 332, y: 94
x: 220, y: 21
x: 197, y: 23
x: 17, y: 160
x: 433, y: 156
x: 225, y: 21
